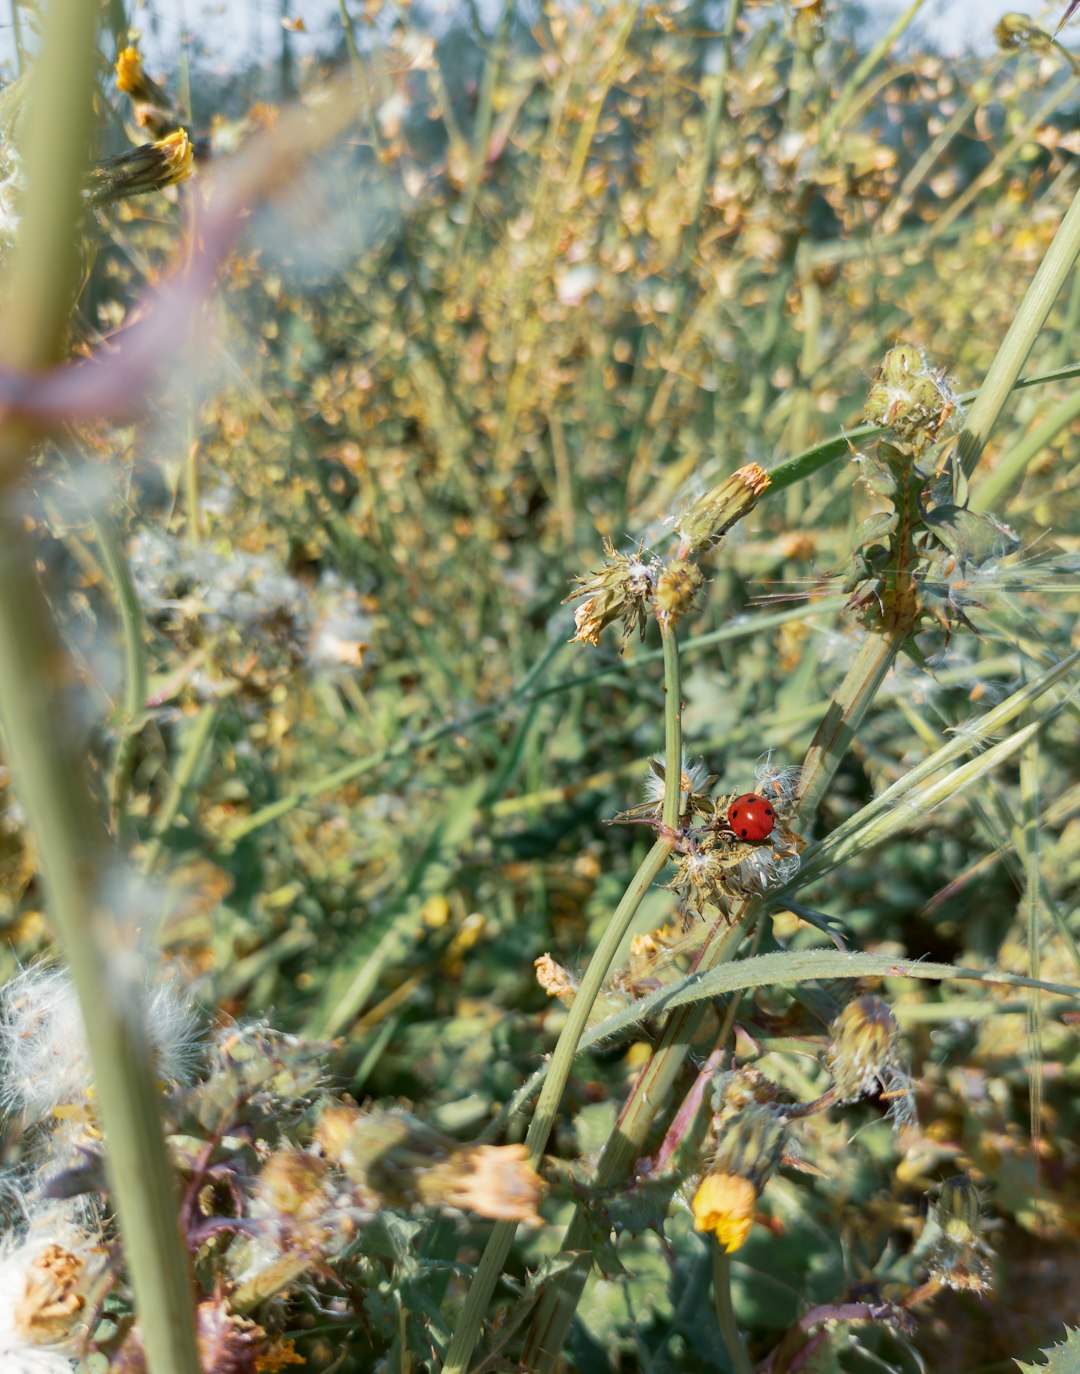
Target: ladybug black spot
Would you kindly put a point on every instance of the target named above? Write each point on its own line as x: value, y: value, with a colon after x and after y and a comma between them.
x: 768, y: 811
x: 743, y: 832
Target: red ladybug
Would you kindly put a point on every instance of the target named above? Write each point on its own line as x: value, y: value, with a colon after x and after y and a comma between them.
x: 751, y: 817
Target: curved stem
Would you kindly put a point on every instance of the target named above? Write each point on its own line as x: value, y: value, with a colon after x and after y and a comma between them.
x: 725, y: 1310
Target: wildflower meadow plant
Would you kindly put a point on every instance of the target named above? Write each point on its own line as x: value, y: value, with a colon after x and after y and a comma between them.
x: 687, y: 981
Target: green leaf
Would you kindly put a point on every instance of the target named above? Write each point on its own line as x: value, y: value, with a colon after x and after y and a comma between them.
x: 1060, y: 1359
x: 973, y: 537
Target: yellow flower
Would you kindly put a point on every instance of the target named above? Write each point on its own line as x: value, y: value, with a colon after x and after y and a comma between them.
x: 129, y: 71
x: 724, y: 1204
x: 177, y: 157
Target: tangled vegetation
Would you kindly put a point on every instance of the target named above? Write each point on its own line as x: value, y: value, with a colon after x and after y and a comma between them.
x: 409, y: 455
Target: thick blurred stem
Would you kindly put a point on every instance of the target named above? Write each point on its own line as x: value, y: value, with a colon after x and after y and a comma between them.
x: 498, y: 1246
x: 38, y: 719
x: 1029, y: 319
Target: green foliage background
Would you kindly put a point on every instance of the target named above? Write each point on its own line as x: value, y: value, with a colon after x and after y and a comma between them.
x: 560, y: 284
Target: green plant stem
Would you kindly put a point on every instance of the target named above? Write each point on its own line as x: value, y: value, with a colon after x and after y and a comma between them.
x: 1029, y: 795
x: 75, y: 866
x: 196, y: 742
x: 813, y: 459
x: 543, y: 1121
x: 135, y: 676
x: 672, y: 731
x: 484, y: 120
x: 995, y: 487
x: 36, y: 714
x: 498, y: 1246
x: 1059, y: 261
x: 725, y: 1310
x: 841, y: 721
x: 624, y: 1146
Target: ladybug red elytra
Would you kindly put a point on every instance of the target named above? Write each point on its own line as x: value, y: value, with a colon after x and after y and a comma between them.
x: 751, y: 817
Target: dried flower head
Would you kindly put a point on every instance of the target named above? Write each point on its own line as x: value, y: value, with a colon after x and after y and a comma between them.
x: 694, y: 783
x: 677, y: 587
x: 959, y: 1257
x: 712, y: 515
x: 396, y: 1160
x: 491, y: 1180
x: 703, y: 877
x: 555, y: 980
x: 620, y: 590
x: 48, y: 1286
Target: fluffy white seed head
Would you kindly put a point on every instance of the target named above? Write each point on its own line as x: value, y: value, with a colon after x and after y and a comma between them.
x: 44, y: 1061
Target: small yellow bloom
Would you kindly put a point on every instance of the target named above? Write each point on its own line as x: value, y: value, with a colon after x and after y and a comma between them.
x: 724, y: 1204
x: 129, y: 71
x: 177, y: 157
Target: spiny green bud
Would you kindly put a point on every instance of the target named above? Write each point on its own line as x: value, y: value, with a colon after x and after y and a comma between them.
x: 676, y: 588
x: 1014, y: 32
x: 733, y: 1090
x: 713, y: 514
x: 959, y: 1209
x: 752, y: 1144
x: 908, y: 396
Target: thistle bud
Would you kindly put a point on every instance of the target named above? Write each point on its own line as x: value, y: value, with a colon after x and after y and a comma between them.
x: 864, y: 1050
x: 712, y: 515
x: 1015, y: 32
x: 151, y: 104
x: 907, y: 395
x: 151, y: 167
x: 291, y: 1185
x: 676, y: 588
x: 747, y: 1155
x: 959, y: 1257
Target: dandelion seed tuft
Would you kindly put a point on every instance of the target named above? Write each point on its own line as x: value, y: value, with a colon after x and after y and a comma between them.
x: 44, y: 1061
